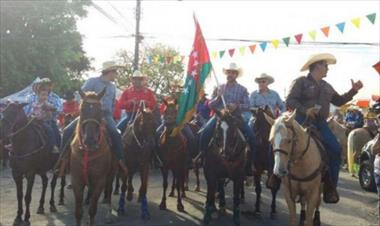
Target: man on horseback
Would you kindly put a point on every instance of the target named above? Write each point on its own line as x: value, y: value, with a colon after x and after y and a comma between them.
x: 354, y: 118
x: 133, y: 96
x: 97, y: 84
x: 311, y: 96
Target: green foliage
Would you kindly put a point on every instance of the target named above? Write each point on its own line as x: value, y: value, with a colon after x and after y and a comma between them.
x: 162, y: 74
x: 40, y: 38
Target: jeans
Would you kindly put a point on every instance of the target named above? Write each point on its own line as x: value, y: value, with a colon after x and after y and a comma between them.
x: 331, y: 145
x: 52, y: 133
x: 124, y: 121
x: 377, y: 182
x: 117, y: 146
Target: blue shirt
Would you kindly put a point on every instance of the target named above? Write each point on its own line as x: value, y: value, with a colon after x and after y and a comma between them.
x: 97, y: 85
x: 233, y: 93
x: 271, y: 99
x: 53, y: 99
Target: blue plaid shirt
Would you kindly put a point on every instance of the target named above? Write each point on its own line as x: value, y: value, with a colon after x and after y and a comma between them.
x: 233, y: 93
x: 53, y: 99
x: 271, y: 99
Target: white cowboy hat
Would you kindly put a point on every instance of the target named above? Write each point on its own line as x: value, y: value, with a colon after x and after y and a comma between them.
x: 329, y: 58
x: 138, y: 74
x: 264, y: 76
x: 233, y: 67
x: 110, y: 66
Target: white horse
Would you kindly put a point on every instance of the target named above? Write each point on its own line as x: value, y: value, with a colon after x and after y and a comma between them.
x: 340, y: 132
x: 355, y: 142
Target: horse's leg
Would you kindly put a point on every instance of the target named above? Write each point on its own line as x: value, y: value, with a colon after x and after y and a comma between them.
x: 145, y: 215
x: 242, y: 192
x: 121, y: 209
x: 236, y: 211
x: 292, y: 208
x: 53, y: 183
x: 179, y: 174
x: 164, y: 172
x: 88, y: 196
x: 28, y: 196
x: 196, y: 169
x: 210, y: 200
x: 117, y: 184
x: 42, y: 199
x: 257, y: 178
x: 186, y: 181
x: 96, y: 191
x: 130, y: 186
x: 221, y: 197
x: 78, y: 189
x: 311, y: 206
x: 303, y: 213
x: 273, y: 205
x: 317, y: 218
x: 62, y: 192
x: 17, y: 177
x: 171, y: 194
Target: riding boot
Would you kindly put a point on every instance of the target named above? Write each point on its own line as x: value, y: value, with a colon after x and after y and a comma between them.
x: 123, y: 167
x: 330, y: 193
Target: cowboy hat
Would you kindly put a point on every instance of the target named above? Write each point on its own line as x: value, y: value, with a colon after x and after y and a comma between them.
x: 138, y: 74
x: 233, y: 67
x: 264, y: 76
x: 329, y: 58
x: 110, y: 66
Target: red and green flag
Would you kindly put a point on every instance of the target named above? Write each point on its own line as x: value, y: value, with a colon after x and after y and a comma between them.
x: 199, y: 67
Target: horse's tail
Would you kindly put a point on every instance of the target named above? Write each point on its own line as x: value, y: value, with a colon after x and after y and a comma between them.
x: 350, y: 151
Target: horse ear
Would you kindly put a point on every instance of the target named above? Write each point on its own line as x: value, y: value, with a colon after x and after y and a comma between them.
x: 101, y: 94
x: 292, y: 116
x: 267, y: 109
x: 269, y: 119
x: 82, y: 94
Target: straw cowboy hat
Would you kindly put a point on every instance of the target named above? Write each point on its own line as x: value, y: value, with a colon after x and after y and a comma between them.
x: 329, y: 58
x: 110, y: 66
x: 233, y: 67
x: 138, y: 74
x: 264, y: 76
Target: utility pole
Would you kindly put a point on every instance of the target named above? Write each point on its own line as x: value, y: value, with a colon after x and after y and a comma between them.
x: 137, y: 35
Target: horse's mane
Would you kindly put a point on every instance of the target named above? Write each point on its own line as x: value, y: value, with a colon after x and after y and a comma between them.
x: 281, y: 122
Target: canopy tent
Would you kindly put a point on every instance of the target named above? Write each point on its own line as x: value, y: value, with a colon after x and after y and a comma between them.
x: 20, y: 96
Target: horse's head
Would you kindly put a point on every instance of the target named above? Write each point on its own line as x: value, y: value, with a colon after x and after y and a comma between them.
x: 90, y: 123
x: 170, y: 112
x: 13, y: 114
x: 284, y: 134
x: 145, y: 122
x: 261, y: 126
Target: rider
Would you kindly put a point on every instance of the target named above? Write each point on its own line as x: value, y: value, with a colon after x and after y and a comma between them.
x: 233, y: 94
x: 97, y: 84
x: 203, y: 109
x: 311, y: 96
x: 133, y: 96
x: 70, y: 106
x: 354, y: 118
x: 44, y: 99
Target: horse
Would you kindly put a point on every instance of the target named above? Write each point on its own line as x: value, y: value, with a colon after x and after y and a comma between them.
x: 91, y: 159
x: 265, y: 157
x: 356, y: 140
x: 340, y: 131
x: 139, y: 140
x: 30, y: 155
x: 173, y: 153
x: 299, y: 162
x: 225, y: 159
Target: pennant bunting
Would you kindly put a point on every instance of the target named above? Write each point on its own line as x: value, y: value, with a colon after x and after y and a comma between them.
x: 148, y: 59
x: 214, y: 54
x: 326, y: 30
x: 340, y: 26
x: 169, y: 59
x: 275, y: 43
x: 372, y: 17
x: 298, y: 38
x: 377, y: 67
x: 156, y: 59
x: 263, y: 46
x: 252, y: 48
x: 312, y: 34
x: 242, y: 50
x: 286, y: 41
x: 356, y: 22
x: 231, y: 52
x: 221, y: 53
x: 162, y: 59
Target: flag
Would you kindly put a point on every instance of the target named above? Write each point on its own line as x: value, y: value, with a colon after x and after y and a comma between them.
x: 199, y: 67
x: 377, y: 67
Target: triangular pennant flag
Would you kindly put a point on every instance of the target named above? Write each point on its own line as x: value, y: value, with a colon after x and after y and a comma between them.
x: 275, y: 43
x: 242, y: 50
x: 231, y: 52
x: 340, y: 26
x: 169, y: 59
x: 263, y: 45
x: 326, y: 30
x: 286, y: 41
x: 252, y: 48
x: 377, y: 67
x: 372, y: 17
x: 298, y: 38
x: 156, y: 59
x: 221, y: 53
x: 356, y: 22
x: 312, y: 34
x: 162, y: 59
x: 214, y: 54
x: 148, y: 59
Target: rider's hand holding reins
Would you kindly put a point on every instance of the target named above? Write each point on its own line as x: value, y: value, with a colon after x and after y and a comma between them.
x: 313, y: 112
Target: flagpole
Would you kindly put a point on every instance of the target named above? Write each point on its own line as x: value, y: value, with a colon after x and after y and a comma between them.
x: 218, y: 84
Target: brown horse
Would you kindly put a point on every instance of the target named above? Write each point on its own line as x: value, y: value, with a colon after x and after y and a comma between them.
x: 139, y: 142
x: 264, y: 156
x: 30, y: 155
x: 225, y: 159
x: 91, y: 157
x: 173, y: 153
x: 298, y: 162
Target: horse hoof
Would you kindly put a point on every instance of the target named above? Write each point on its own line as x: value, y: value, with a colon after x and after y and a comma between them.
x: 40, y: 210
x: 163, y: 206
x: 26, y: 223
x: 197, y: 189
x: 120, y: 212
x: 222, y: 211
x: 17, y: 221
x: 130, y: 196
x: 53, y: 209
x: 181, y: 208
x: 186, y: 188
x: 171, y: 194
x: 273, y: 215
x: 206, y: 219
x: 184, y: 195
x: 61, y: 203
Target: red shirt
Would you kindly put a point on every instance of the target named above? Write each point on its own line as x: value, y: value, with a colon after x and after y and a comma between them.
x: 132, y: 93
x: 117, y: 111
x: 71, y: 107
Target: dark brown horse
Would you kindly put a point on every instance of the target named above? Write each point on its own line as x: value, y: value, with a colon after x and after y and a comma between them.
x: 30, y: 155
x: 139, y: 145
x: 265, y: 158
x: 173, y: 153
x: 91, y: 157
x: 225, y: 158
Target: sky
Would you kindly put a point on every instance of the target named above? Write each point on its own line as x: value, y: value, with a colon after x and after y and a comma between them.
x: 171, y: 23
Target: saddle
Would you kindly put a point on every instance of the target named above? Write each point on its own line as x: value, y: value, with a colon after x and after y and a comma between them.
x: 38, y: 125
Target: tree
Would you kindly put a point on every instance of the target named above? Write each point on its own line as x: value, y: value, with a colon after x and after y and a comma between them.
x: 40, y: 38
x: 163, y: 68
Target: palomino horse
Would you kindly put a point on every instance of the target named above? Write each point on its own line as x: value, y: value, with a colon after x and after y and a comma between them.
x: 356, y: 140
x: 340, y: 131
x: 30, y: 155
x: 299, y: 163
x: 139, y: 145
x: 225, y: 159
x: 91, y: 157
x: 265, y: 157
x: 173, y: 153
